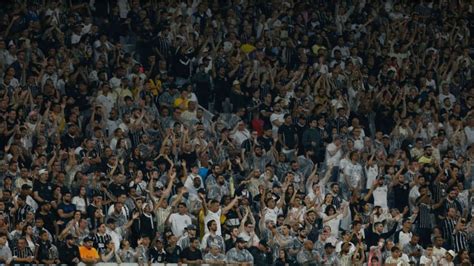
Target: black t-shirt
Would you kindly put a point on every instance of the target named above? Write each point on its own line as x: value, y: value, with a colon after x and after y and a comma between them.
x: 288, y: 133
x: 191, y: 255
x: 190, y: 158
x: 45, y: 190
x: 117, y: 189
x: 173, y: 255
x: 265, y: 142
x: 401, y: 192
x: 221, y: 88
x: 157, y: 256
x: 238, y: 100
x: 67, y: 254
x: 267, y: 109
x: 42, y: 252
x: 261, y: 258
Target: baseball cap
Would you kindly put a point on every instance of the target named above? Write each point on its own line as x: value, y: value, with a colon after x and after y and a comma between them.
x: 329, y: 245
x: 240, y: 240
x: 191, y: 227
x: 25, y: 187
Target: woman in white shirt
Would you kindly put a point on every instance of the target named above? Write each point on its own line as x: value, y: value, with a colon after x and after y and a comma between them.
x: 332, y: 218
x: 27, y: 233
x: 81, y: 200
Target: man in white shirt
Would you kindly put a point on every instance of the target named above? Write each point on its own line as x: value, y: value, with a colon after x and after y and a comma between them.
x: 380, y: 194
x: 277, y: 119
x: 414, y: 191
x: 404, y: 235
x: 240, y: 133
x: 353, y: 172
x: 445, y: 93
x: 194, y: 181
x: 396, y: 257
x: 180, y: 220
x: 213, y: 211
x: 428, y: 258
x: 438, y: 251
x: 118, y: 232
x: 469, y: 131
x: 334, y: 152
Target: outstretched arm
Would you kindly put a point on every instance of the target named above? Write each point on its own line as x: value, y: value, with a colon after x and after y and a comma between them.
x: 227, y: 208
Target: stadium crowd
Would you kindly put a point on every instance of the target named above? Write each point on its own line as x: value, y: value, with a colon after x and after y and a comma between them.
x: 274, y: 132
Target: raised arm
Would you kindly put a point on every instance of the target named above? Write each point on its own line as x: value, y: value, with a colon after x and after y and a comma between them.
x: 372, y: 188
x: 204, y: 203
x: 327, y: 175
x: 130, y: 222
x: 227, y: 208
x: 244, y: 220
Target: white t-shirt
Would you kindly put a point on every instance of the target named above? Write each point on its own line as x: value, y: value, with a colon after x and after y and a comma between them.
x: 404, y: 238
x: 333, y: 159
x: 469, y: 135
x: 354, y: 173
x: 271, y: 214
x: 439, y: 252
x: 399, y: 261
x: 426, y: 261
x: 372, y: 173
x: 359, y: 143
x: 216, y: 216
x: 413, y: 195
x: 80, y: 203
x: 116, y: 237
x: 323, y: 68
x: 333, y: 223
x: 179, y: 223
x: 343, y: 163
x: 247, y: 238
x: 241, y: 136
x: 380, y: 197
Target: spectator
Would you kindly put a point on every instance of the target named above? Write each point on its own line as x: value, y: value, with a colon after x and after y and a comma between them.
x: 87, y: 252
x: 45, y: 251
x: 179, y: 221
x: 6, y: 253
x: 69, y: 253
x: 192, y: 254
x: 239, y: 254
x: 140, y: 123
x: 212, y: 238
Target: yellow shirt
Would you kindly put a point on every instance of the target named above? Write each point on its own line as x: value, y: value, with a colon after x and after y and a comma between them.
x: 155, y: 87
x: 425, y: 160
x: 181, y: 103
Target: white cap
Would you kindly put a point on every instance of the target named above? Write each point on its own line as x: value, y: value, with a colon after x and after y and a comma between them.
x: 228, y: 46
x: 452, y: 253
x: 42, y: 171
